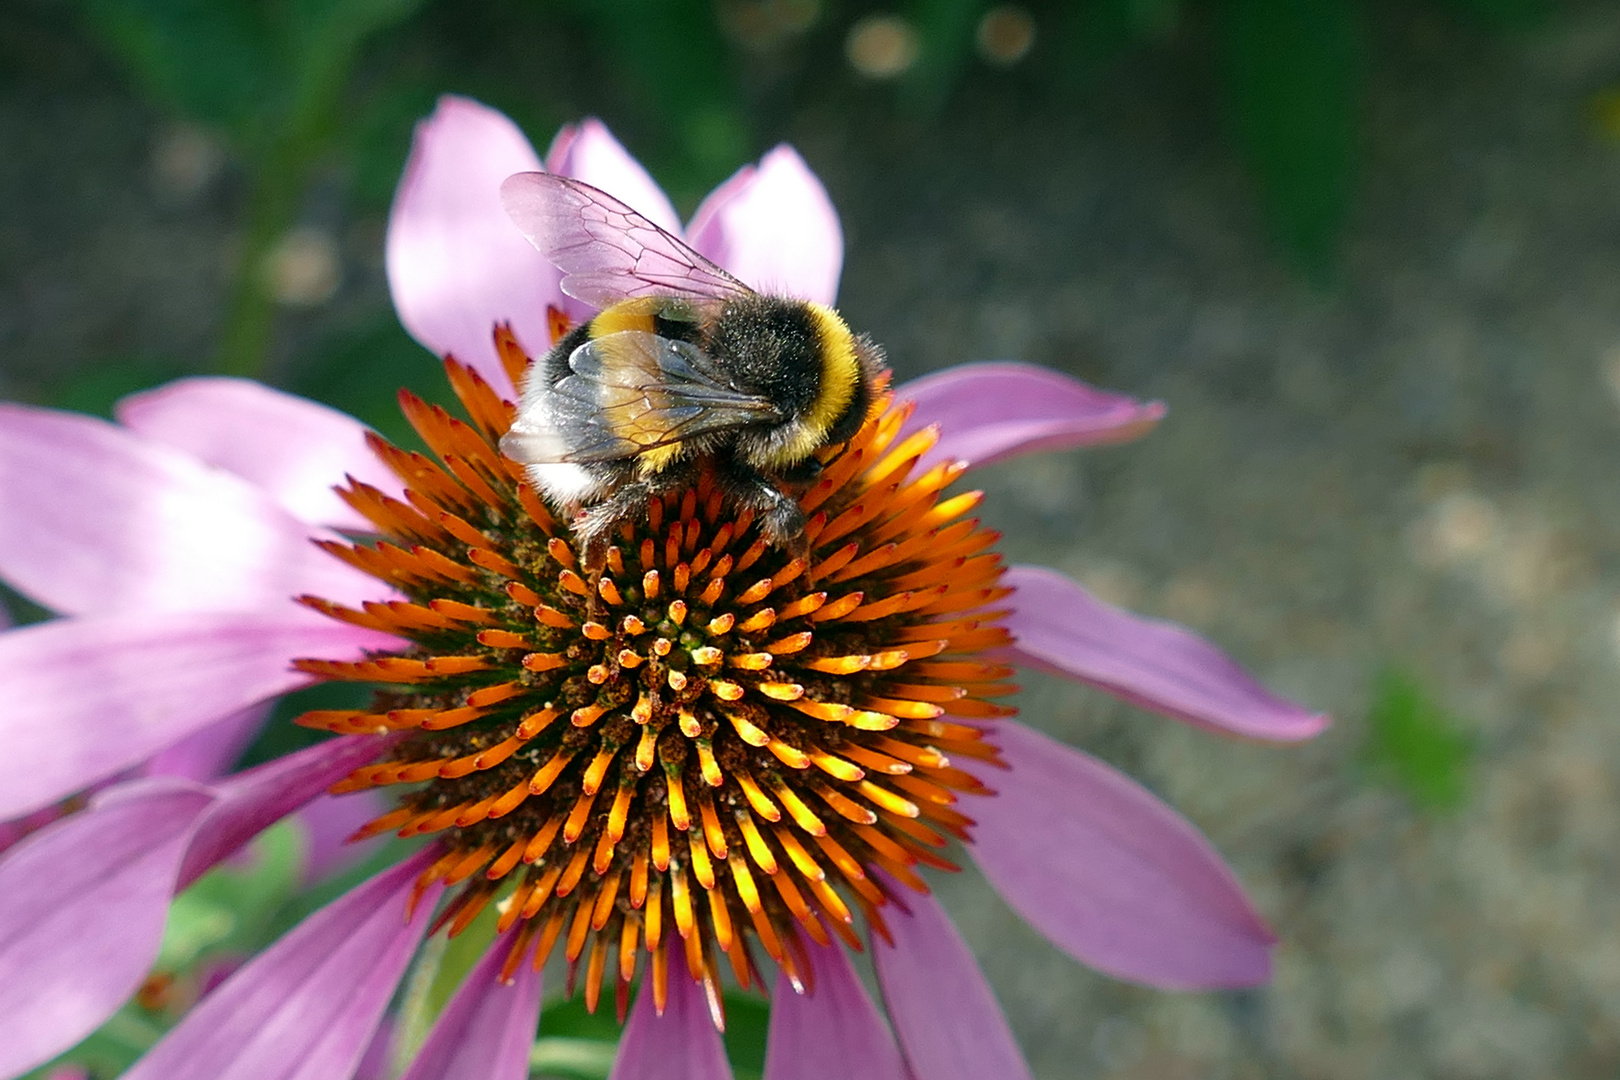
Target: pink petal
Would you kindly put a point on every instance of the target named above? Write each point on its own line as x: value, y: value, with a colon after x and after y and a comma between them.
x: 293, y: 448
x: 456, y: 266
x: 775, y: 228
x: 989, y: 412
x: 487, y: 1030
x: 831, y: 1032
x: 943, y: 1012
x: 378, y: 1061
x: 1063, y: 629
x: 682, y: 1044
x: 88, y: 698
x: 252, y: 801
x: 1110, y: 874
x: 210, y: 752
x: 13, y: 831
x: 589, y: 152
x: 99, y: 519
x: 306, y: 1008
x: 329, y: 821
x: 82, y: 909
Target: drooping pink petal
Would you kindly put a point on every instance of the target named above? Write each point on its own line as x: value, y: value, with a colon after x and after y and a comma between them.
x: 87, y: 698
x: 832, y: 1032
x: 1110, y: 874
x: 775, y: 228
x: 588, y: 151
x: 487, y: 1030
x: 252, y: 801
x: 306, y: 1008
x: 1062, y: 628
x: 13, y: 830
x: 456, y: 266
x: 82, y: 909
x: 943, y: 1011
x: 210, y: 752
x: 293, y: 448
x: 329, y: 821
x: 680, y: 1045
x: 99, y: 519
x: 991, y: 412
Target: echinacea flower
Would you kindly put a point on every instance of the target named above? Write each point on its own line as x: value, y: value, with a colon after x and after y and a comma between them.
x: 709, y: 756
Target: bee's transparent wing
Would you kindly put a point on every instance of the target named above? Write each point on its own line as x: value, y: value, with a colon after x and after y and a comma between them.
x: 606, y: 251
x: 632, y: 392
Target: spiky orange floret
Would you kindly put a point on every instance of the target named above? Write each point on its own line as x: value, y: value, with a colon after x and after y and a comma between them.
x: 705, y: 746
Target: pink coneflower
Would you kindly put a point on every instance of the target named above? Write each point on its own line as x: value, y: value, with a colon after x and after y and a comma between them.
x: 711, y: 759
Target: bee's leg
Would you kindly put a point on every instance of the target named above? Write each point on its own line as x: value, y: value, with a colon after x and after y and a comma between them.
x: 802, y: 474
x: 779, y: 515
x: 596, y: 526
x: 592, y: 530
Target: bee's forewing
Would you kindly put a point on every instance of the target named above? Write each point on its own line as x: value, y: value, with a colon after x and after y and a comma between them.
x: 606, y: 251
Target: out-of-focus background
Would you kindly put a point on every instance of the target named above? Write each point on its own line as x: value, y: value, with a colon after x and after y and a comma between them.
x: 1368, y: 252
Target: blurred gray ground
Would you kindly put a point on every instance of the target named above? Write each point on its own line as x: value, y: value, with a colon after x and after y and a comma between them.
x: 1413, y: 465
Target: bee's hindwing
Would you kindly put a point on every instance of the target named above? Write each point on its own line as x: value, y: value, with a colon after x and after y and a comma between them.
x: 606, y: 251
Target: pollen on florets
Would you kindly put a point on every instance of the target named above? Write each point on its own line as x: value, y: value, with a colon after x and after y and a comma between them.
x: 705, y: 747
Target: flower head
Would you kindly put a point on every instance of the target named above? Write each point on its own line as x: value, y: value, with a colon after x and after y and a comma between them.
x: 710, y: 755
x: 703, y: 749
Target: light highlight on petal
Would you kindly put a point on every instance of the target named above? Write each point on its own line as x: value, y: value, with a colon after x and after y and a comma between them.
x: 1110, y: 874
x: 328, y: 822
x: 293, y: 448
x: 1062, y: 628
x: 99, y: 519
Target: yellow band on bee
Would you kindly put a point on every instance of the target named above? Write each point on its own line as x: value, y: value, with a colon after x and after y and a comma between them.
x: 654, y: 462
x: 628, y: 315
x: 840, y: 372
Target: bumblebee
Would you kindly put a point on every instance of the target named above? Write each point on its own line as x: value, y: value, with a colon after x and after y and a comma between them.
x: 684, y: 368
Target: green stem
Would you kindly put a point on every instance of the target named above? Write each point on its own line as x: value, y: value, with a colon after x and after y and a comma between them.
x: 250, y: 313
x: 288, y: 147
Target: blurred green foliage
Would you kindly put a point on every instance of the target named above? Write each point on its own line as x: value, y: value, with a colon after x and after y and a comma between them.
x: 1504, y: 14
x: 299, y: 87
x: 1414, y: 743
x: 1291, y: 72
x: 270, y: 76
